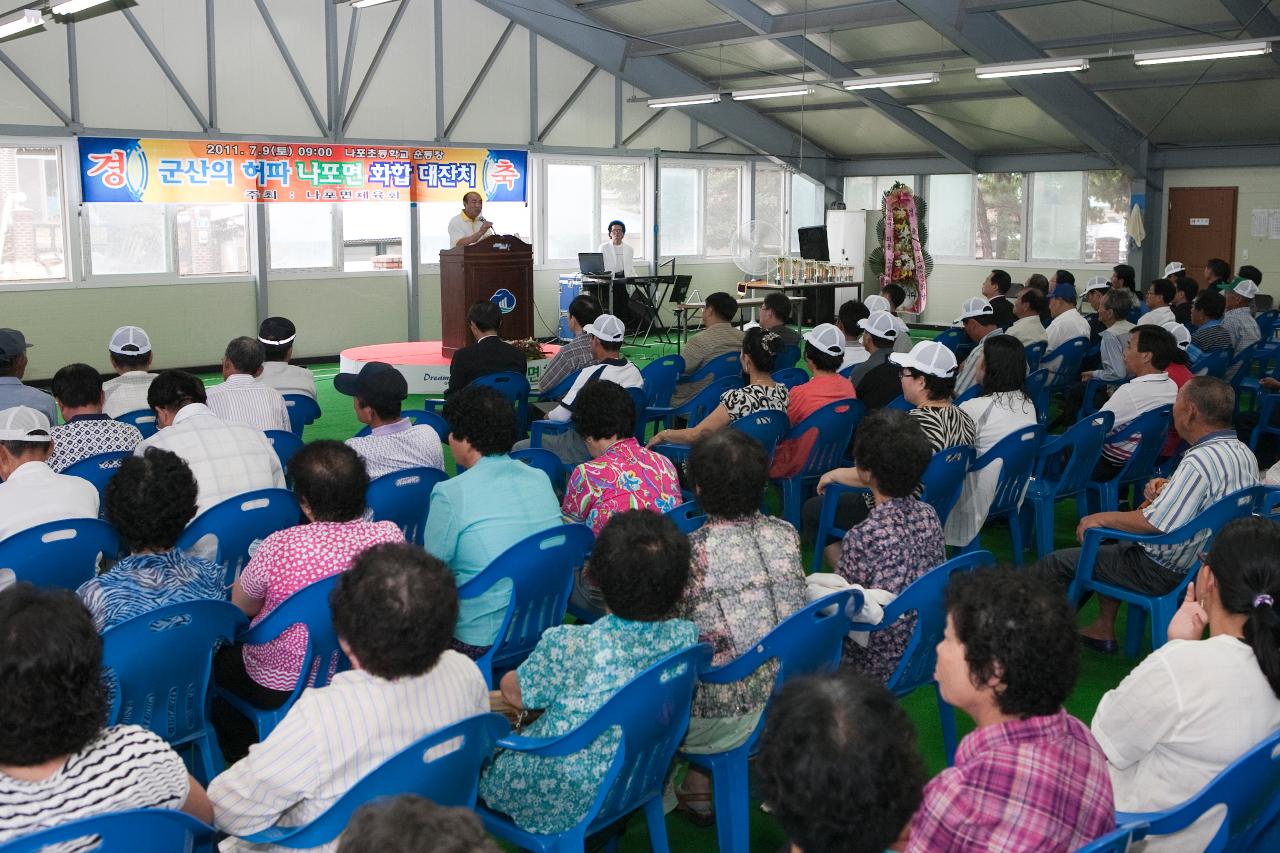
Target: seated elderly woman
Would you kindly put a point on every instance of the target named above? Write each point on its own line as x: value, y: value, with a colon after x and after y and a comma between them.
x: 899, y: 540
x: 412, y: 824
x: 1195, y: 705
x: 1002, y: 409
x: 575, y: 669
x: 745, y: 578
x: 329, y: 480
x: 59, y: 762
x: 149, y: 502
x: 760, y: 350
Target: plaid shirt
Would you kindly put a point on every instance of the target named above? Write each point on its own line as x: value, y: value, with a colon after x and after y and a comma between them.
x: 1037, y: 784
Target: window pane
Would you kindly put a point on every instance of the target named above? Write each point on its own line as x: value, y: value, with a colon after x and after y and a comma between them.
x: 950, y: 211
x: 720, y: 210
x: 1105, y: 241
x: 1057, y: 211
x: 999, y: 219
x: 678, y: 212
x: 127, y: 239
x: 807, y: 200
x: 570, y: 203
x: 212, y: 239
x: 769, y: 197
x: 884, y: 182
x: 860, y: 193
x: 301, y: 236
x: 31, y: 241
x: 622, y: 198
x: 375, y: 235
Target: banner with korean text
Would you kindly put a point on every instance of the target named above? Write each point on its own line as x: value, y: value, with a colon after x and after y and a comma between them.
x: 202, y: 172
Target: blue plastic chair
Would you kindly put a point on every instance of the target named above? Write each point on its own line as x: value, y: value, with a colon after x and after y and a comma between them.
x: 639, y: 396
x: 725, y: 364
x: 143, y: 419
x: 1160, y: 607
x: 832, y: 427
x: 1212, y: 363
x: 652, y: 713
x: 767, y: 426
x: 1249, y: 787
x: 971, y: 393
x: 542, y: 428
x: 788, y: 357
x: 1153, y: 428
x: 1035, y: 354
x: 546, y: 462
x: 449, y: 779
x: 419, y: 417
x: 952, y: 338
x: 238, y: 521
x: 1116, y: 841
x: 1037, y: 390
x: 942, y: 481
x: 808, y: 641
x: 538, y: 572
x: 1268, y: 420
x: 303, y: 410
x: 98, y: 469
x: 700, y: 405
x: 791, y: 376
x: 1091, y: 390
x: 660, y: 377
x: 58, y: 553
x: 405, y: 498
x: 324, y: 658
x: 1017, y: 451
x: 513, y: 386
x: 164, y: 654
x: 1064, y: 363
x: 688, y: 516
x: 1062, y: 471
x: 121, y: 832
x: 562, y: 388
x: 285, y: 444
x: 916, y: 666
x: 898, y: 403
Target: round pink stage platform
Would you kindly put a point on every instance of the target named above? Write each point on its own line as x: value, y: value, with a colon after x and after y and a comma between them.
x: 423, y: 363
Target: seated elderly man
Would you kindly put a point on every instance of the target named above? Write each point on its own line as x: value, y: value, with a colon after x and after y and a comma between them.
x: 277, y: 334
x: 13, y: 365
x: 1030, y: 776
x: 227, y: 459
x: 775, y: 314
x: 493, y: 504
x: 575, y: 355
x: 489, y: 354
x: 1238, y: 319
x: 241, y: 398
x: 393, y: 442
x: 85, y: 430
x: 33, y: 493
x: 1215, y: 465
x: 718, y: 336
x: 393, y: 612
x: 979, y: 323
x: 1029, y: 308
x: 130, y: 352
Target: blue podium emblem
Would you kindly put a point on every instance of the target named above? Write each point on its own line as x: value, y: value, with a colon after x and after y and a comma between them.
x: 504, y: 299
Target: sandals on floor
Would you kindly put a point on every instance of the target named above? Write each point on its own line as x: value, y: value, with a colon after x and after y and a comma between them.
x: 696, y: 808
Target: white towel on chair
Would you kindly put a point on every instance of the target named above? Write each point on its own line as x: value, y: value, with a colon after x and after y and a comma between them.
x: 821, y: 584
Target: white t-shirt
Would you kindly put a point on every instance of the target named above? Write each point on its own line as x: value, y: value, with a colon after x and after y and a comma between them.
x: 288, y: 378
x: 34, y: 495
x: 1182, y: 715
x: 1157, y: 317
x: 995, y: 417
x: 1067, y: 325
x: 127, y: 393
x: 1140, y: 394
x: 854, y: 353
x: 618, y: 258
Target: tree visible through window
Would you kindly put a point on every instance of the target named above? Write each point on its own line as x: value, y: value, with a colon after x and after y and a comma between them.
x: 998, y: 214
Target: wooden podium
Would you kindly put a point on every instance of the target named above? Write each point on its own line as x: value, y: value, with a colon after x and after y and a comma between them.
x: 498, y: 269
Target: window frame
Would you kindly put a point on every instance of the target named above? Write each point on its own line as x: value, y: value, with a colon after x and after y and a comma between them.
x: 68, y: 164
x: 746, y: 189
x: 538, y: 204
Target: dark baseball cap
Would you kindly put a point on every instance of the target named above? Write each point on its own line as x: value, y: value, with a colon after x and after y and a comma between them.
x: 377, y: 382
x: 12, y: 343
x: 277, y: 331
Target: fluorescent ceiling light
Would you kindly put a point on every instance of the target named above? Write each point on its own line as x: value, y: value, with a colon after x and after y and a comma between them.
x: 855, y: 83
x: 684, y: 100
x: 1036, y: 66
x: 27, y: 19
x: 70, y: 7
x: 360, y: 4
x: 1224, y: 50
x: 773, y: 92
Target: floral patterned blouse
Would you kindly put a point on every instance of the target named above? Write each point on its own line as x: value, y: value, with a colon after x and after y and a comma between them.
x: 573, y: 671
x: 745, y: 578
x: 750, y: 399
x: 895, y: 545
x: 626, y: 476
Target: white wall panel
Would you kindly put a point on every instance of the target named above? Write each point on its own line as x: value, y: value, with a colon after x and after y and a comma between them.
x: 671, y: 131
x: 43, y: 58
x: 589, y: 121
x: 256, y: 93
x: 499, y: 113
x: 401, y: 100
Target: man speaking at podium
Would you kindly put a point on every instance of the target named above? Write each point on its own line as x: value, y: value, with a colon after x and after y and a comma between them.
x: 469, y: 226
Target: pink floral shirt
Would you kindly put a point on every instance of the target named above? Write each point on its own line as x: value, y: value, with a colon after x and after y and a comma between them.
x: 626, y: 476
x: 284, y: 563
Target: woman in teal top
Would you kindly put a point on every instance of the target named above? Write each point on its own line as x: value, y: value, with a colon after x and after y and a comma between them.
x: 575, y: 669
x: 486, y: 509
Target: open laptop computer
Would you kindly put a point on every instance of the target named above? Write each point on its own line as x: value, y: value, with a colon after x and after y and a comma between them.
x: 591, y: 263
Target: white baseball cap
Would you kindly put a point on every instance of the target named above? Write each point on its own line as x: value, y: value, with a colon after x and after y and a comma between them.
x: 1179, y: 332
x: 17, y: 424
x: 1097, y: 283
x: 827, y: 338
x: 978, y: 306
x: 1245, y: 288
x: 876, y: 302
x: 607, y: 328
x: 880, y: 324
x: 1173, y: 267
x: 928, y: 357
x: 130, y: 340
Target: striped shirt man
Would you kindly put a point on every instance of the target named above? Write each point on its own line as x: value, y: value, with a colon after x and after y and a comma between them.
x: 241, y: 399
x: 127, y: 393
x: 397, y: 446
x: 333, y: 737
x: 1243, y: 329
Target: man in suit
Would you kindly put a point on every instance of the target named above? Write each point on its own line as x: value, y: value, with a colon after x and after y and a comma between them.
x: 489, y: 354
x: 996, y: 290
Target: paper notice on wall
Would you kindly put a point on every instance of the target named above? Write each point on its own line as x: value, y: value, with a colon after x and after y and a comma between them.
x: 1275, y: 225
x: 1258, y: 223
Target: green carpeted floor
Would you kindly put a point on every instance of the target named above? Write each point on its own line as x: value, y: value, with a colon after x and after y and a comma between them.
x: 1098, y: 673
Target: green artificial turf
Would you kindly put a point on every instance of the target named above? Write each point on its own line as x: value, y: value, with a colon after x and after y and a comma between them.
x: 1098, y: 673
